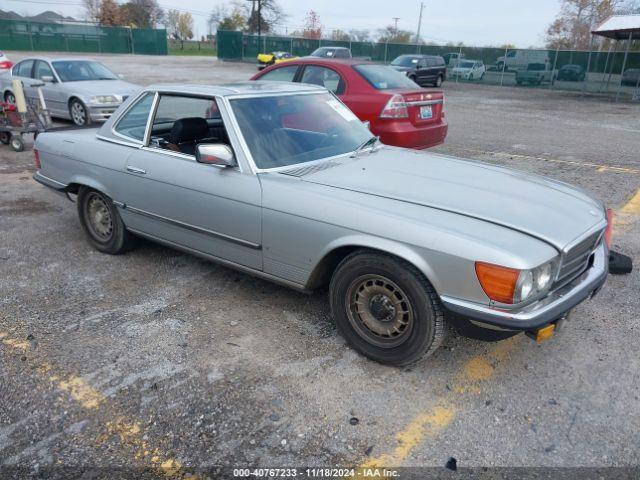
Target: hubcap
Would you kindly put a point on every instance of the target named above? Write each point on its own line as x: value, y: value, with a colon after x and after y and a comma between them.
x: 99, y: 217
x: 379, y: 311
x: 78, y: 113
x: 11, y: 98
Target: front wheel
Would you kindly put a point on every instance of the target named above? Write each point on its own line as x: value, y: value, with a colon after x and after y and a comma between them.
x: 9, y: 97
x: 385, y: 308
x: 79, y: 113
x: 438, y: 83
x: 102, y: 223
x: 17, y: 144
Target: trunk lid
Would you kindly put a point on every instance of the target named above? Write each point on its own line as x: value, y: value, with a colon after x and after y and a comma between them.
x: 423, y: 106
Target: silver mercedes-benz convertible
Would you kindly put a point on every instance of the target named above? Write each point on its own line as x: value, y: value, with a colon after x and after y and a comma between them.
x: 282, y: 181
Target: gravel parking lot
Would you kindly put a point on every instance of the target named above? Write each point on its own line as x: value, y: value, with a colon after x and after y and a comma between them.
x: 160, y: 360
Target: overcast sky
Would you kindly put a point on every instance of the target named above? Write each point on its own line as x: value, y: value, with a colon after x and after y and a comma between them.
x: 474, y: 22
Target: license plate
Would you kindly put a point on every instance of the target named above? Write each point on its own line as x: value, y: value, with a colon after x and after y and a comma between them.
x: 426, y: 112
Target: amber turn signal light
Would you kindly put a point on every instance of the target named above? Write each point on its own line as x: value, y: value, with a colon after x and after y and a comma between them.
x: 499, y: 283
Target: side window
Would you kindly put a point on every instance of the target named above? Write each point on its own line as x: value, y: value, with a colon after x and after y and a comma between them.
x: 24, y: 69
x: 325, y: 77
x: 282, y: 74
x: 133, y: 123
x: 43, y: 70
x: 341, y: 54
x: 182, y: 122
x: 423, y: 63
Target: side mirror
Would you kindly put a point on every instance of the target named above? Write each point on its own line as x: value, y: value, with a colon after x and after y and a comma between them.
x: 216, y: 154
x: 48, y: 79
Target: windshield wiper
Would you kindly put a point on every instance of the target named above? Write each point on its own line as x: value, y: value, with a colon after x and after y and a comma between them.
x: 370, y: 142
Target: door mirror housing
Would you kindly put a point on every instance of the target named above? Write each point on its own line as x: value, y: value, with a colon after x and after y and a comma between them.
x: 48, y: 79
x: 216, y: 154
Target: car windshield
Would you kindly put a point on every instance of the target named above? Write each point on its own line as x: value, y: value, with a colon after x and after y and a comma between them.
x: 82, y: 70
x: 383, y: 77
x: 291, y: 129
x: 405, y: 61
x: 466, y: 64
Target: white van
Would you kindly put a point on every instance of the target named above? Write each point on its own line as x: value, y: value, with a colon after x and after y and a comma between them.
x: 519, y: 59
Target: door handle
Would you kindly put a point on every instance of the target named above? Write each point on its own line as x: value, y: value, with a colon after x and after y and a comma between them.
x: 136, y: 170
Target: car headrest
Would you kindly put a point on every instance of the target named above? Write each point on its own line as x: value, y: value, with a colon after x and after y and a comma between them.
x: 188, y: 129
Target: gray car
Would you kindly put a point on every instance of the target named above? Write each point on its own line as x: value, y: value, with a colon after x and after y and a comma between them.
x: 80, y: 90
x: 282, y: 181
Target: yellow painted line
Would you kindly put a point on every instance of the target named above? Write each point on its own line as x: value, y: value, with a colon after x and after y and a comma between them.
x: 427, y: 423
x: 632, y: 207
x: 88, y: 398
x: 598, y: 167
x: 433, y: 421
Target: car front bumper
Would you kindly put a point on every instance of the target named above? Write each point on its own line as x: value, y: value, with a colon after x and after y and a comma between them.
x: 547, y: 310
x: 102, y: 112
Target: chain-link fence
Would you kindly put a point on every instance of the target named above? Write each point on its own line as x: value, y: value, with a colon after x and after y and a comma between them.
x: 59, y: 37
x: 574, y: 70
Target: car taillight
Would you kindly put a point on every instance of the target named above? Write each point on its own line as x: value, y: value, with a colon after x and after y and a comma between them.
x: 396, y: 107
x: 608, y: 233
x: 6, y: 64
x: 36, y: 158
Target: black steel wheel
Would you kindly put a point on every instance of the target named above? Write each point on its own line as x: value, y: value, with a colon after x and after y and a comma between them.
x: 385, y: 308
x: 102, y: 223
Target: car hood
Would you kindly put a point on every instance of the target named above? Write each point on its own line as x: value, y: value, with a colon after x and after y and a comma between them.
x: 102, y: 87
x: 552, y: 211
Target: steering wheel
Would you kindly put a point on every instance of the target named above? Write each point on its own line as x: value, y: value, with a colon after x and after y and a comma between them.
x: 331, y: 134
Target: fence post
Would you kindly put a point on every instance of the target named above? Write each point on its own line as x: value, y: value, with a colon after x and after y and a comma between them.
x: 458, y: 61
x: 624, y: 64
x: 66, y: 42
x: 604, y: 70
x: 386, y: 46
x: 291, y: 47
x: 504, y: 65
x: 31, y: 38
x: 586, y: 74
x: 553, y: 70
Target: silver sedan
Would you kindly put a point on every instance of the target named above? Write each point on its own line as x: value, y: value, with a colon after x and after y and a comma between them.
x: 80, y: 90
x: 284, y: 182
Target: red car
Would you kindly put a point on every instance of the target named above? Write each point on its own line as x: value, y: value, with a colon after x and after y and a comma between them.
x: 400, y: 112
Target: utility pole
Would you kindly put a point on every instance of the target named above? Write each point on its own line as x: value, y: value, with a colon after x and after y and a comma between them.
x: 395, y: 24
x: 419, y: 26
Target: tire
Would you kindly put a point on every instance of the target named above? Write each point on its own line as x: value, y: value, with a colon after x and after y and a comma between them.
x: 78, y: 112
x: 101, y: 222
x: 413, y: 79
x: 471, y: 77
x: 17, y: 144
x: 9, y: 97
x: 395, y: 329
x: 5, y: 138
x: 438, y: 83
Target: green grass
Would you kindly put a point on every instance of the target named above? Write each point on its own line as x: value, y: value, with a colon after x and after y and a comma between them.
x: 191, y: 48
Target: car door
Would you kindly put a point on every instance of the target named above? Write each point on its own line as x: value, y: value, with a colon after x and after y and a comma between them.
x: 323, y: 76
x: 172, y: 197
x: 55, y: 99
x: 22, y: 71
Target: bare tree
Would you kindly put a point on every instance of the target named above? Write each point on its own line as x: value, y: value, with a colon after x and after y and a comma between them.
x: 312, y: 25
x: 91, y: 9
x: 110, y: 14
x: 360, y: 35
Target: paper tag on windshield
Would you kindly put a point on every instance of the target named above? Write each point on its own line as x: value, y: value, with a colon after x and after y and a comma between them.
x: 344, y: 112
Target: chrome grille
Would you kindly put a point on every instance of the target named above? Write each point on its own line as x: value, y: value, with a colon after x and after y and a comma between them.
x: 576, y: 260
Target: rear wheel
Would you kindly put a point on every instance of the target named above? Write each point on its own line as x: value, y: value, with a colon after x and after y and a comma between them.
x: 102, y: 223
x: 5, y: 138
x: 9, y: 97
x: 438, y: 81
x: 385, y: 308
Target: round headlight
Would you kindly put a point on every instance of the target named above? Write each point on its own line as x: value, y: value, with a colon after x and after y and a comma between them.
x: 543, y: 277
x: 524, y: 286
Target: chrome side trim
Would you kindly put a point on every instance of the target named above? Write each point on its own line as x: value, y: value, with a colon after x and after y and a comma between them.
x: 226, y: 263
x: 188, y: 226
x: 48, y: 182
x: 545, y: 311
x: 422, y: 103
x: 119, y: 142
